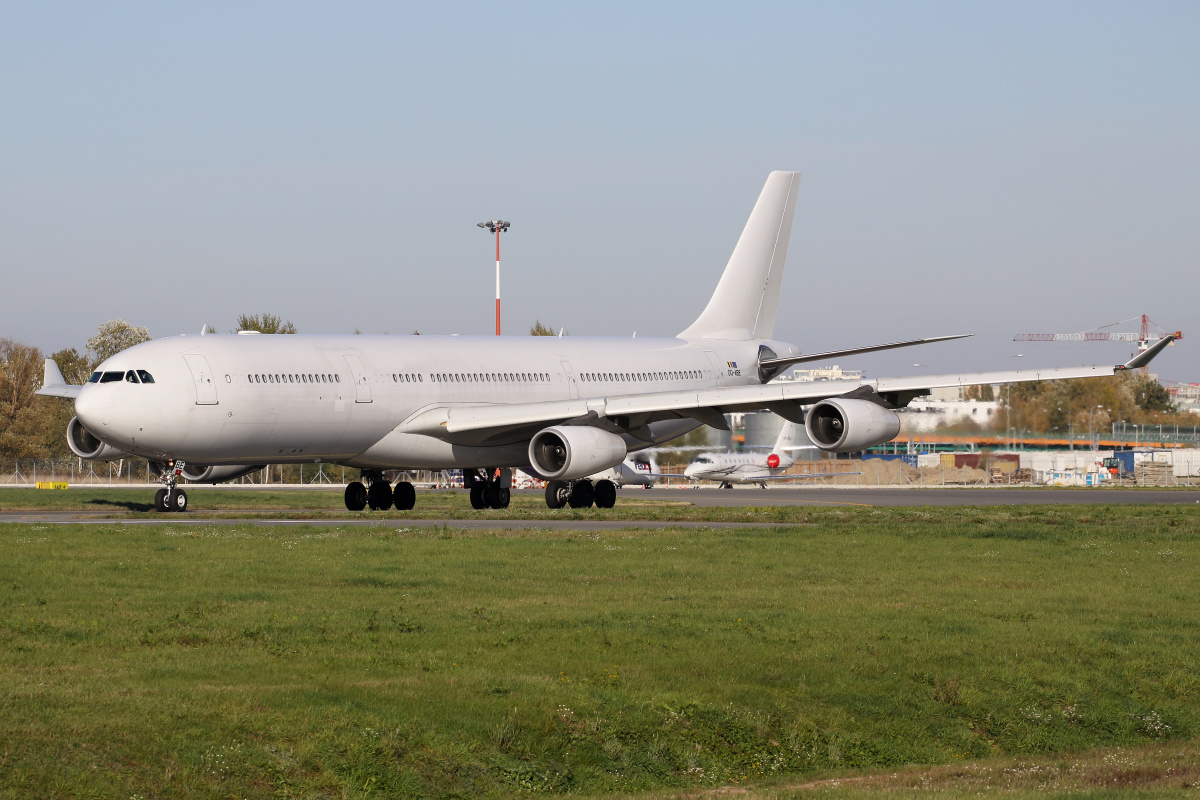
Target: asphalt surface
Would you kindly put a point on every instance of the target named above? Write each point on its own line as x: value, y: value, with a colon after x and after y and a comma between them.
x: 906, y: 496
x: 741, y: 496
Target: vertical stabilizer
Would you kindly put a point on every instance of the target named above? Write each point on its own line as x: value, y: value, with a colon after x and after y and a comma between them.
x: 786, y: 444
x: 744, y: 304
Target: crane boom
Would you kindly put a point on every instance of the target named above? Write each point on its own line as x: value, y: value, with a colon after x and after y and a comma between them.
x: 1142, y: 337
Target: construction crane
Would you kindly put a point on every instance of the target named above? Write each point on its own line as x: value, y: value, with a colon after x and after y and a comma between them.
x: 1143, y: 337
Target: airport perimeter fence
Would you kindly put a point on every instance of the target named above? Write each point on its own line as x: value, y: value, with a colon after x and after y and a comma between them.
x: 900, y: 471
x: 137, y: 472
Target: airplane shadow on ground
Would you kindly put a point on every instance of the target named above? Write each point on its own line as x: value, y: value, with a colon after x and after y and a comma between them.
x: 131, y: 506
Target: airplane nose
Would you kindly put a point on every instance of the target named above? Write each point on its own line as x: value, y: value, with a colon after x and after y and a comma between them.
x: 87, y: 409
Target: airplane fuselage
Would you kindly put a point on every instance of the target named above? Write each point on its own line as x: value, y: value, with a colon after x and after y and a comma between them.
x: 736, y: 468
x: 255, y: 398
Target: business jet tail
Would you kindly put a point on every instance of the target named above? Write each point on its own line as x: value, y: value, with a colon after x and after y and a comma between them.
x: 791, y: 438
x: 747, y: 296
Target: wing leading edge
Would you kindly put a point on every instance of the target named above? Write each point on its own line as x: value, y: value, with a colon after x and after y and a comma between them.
x: 480, y: 424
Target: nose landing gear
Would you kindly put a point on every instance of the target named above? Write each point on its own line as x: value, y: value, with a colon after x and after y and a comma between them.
x: 170, y: 497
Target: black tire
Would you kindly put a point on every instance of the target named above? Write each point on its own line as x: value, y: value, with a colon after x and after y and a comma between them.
x: 555, y: 491
x: 404, y: 496
x: 177, y: 500
x: 356, y: 496
x: 606, y: 494
x: 582, y: 494
x: 479, y: 492
x: 379, y: 496
x: 499, y: 498
x: 160, y: 501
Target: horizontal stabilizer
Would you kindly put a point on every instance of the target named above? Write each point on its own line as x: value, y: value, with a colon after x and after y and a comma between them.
x: 770, y: 367
x: 54, y: 385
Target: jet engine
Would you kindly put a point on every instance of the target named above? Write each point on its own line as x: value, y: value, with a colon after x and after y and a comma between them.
x: 848, y: 425
x: 569, y: 452
x: 196, y: 474
x: 84, y: 445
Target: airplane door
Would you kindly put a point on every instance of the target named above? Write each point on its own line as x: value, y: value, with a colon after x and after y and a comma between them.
x: 718, y: 368
x: 206, y: 387
x: 362, y: 382
x: 572, y: 386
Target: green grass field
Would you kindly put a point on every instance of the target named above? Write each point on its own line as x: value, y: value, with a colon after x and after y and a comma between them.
x: 192, y: 661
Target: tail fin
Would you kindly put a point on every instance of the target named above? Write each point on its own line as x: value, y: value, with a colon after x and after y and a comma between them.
x: 747, y: 296
x: 785, y: 445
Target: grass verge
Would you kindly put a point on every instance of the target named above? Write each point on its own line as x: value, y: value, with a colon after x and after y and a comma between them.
x: 197, y: 661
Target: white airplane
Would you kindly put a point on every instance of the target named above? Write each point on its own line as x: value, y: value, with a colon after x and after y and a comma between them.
x: 730, y: 468
x: 211, y: 408
x: 638, y: 470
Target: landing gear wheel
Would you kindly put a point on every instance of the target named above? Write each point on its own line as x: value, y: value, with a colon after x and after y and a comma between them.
x: 498, y: 497
x: 582, y: 494
x: 160, y: 501
x: 556, y: 494
x: 379, y: 496
x: 606, y: 494
x: 177, y: 500
x: 356, y: 496
x: 478, y: 499
x: 404, y: 496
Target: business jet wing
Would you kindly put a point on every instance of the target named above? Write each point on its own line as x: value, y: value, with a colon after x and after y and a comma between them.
x: 495, y: 423
x: 803, y: 475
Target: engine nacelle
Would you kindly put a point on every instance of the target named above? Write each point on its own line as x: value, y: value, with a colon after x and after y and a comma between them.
x: 86, y: 446
x: 568, y: 452
x: 844, y: 426
x: 195, y: 474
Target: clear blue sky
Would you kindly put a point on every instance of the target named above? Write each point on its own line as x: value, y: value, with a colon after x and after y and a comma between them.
x: 968, y: 167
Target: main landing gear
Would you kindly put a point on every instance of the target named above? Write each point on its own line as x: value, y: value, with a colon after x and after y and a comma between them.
x: 581, y: 494
x: 489, y: 489
x: 379, y: 494
x: 170, y: 497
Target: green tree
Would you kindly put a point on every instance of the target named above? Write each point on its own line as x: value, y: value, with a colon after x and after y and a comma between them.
x: 539, y: 329
x: 982, y: 392
x: 74, y: 366
x: 114, y: 336
x: 265, y: 323
x: 25, y: 418
x: 1150, y: 395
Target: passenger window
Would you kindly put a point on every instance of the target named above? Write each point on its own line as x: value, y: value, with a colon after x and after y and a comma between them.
x: 131, y: 376
x: 337, y: 378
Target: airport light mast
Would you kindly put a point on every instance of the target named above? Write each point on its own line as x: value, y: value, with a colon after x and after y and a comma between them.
x: 496, y: 226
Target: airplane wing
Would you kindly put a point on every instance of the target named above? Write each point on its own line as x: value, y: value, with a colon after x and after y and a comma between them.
x: 504, y: 423
x: 54, y: 384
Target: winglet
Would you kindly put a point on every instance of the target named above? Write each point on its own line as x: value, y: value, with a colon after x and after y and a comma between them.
x: 1146, y: 356
x: 53, y: 383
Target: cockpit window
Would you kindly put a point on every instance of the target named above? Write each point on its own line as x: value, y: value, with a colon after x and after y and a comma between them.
x: 131, y: 376
x: 95, y: 378
x: 145, y: 376
x: 109, y: 377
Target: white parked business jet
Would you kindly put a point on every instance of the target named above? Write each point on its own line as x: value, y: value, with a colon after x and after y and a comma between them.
x: 730, y: 468
x: 211, y: 408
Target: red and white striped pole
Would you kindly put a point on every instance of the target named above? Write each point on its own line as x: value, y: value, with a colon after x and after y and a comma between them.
x: 497, y: 281
x: 496, y: 226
